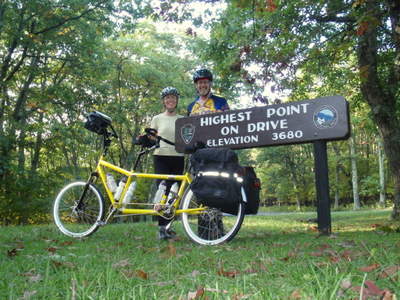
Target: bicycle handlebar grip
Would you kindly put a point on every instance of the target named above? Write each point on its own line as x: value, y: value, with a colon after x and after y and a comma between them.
x: 151, y: 131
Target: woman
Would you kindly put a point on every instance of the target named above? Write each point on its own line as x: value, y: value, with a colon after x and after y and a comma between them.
x: 166, y: 159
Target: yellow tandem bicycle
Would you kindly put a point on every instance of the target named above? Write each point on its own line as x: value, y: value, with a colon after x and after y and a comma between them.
x: 80, y: 209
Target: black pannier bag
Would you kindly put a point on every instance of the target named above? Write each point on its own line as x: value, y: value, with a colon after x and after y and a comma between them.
x: 215, y: 184
x: 252, y: 187
x: 97, y: 122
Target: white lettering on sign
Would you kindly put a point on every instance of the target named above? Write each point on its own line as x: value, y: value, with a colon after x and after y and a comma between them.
x: 287, y: 110
x: 267, y: 125
x: 232, y: 140
x: 225, y: 119
x: 289, y: 135
x: 233, y: 129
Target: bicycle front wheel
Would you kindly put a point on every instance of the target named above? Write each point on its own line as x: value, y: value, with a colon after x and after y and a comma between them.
x: 210, y: 226
x: 78, y: 209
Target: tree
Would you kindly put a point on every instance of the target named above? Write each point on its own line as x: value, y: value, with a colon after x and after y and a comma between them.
x: 300, y: 45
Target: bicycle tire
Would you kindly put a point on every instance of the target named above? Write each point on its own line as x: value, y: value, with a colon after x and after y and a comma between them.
x: 195, y: 231
x: 80, y: 221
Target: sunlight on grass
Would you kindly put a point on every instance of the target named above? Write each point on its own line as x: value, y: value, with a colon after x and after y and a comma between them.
x: 272, y: 257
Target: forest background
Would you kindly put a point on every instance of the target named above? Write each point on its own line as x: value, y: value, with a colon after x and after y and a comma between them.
x: 60, y: 60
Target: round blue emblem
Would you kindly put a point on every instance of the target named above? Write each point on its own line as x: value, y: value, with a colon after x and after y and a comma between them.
x: 325, y: 117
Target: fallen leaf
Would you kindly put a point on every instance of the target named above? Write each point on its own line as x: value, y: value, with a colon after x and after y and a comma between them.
x: 35, y: 278
x: 250, y: 271
x: 20, y: 245
x: 323, y: 247
x: 216, y: 291
x: 295, y: 295
x: 373, y: 288
x: 240, y: 296
x: 369, y: 290
x: 121, y: 264
x: 317, y: 254
x: 12, y: 252
x: 52, y: 249
x: 197, y: 294
x: 347, y: 254
x: 28, y: 294
x: 65, y: 264
x: 369, y: 268
x: 195, y: 273
x: 334, y: 259
x: 347, y: 244
x: 322, y: 264
x: 279, y: 245
x: 389, y: 271
x: 66, y: 243
x: 164, y: 283
x: 345, y: 284
x: 142, y: 274
x: 32, y: 276
x: 230, y: 274
x: 387, y: 295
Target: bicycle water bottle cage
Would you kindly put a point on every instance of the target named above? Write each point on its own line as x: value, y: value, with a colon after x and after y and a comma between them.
x: 97, y: 122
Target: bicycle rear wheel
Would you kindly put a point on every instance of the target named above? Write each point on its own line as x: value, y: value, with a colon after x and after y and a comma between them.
x: 210, y: 226
x: 78, y: 209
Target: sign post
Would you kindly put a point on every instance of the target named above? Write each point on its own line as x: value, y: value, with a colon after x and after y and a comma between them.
x: 322, y: 188
x: 317, y: 120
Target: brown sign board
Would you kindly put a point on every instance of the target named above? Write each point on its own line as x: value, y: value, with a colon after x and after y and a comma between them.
x: 325, y: 118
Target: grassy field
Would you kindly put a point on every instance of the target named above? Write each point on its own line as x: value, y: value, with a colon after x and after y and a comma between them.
x: 273, y: 257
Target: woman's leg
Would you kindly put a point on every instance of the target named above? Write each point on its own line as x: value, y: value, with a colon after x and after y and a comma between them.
x: 167, y: 165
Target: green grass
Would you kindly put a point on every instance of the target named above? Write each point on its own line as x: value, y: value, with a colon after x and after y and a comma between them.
x: 272, y: 257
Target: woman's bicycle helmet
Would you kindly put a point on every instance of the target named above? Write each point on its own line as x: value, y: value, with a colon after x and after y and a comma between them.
x: 169, y: 90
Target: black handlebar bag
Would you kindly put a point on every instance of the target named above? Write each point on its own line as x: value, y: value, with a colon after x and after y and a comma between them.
x: 216, y: 183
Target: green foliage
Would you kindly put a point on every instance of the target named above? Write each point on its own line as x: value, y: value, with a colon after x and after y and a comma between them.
x: 60, y: 61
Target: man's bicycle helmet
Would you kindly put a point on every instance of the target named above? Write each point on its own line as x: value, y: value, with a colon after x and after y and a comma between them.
x: 169, y: 90
x: 202, y: 74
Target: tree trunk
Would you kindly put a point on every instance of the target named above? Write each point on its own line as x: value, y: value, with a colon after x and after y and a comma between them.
x: 354, y: 174
x: 381, y: 94
x: 336, y: 205
x: 37, y: 147
x: 292, y: 168
x: 382, y: 185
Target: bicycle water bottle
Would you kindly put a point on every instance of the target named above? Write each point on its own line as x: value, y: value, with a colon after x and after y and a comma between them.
x: 120, y: 188
x: 111, y: 183
x: 129, y: 194
x: 160, y: 192
x: 173, y: 193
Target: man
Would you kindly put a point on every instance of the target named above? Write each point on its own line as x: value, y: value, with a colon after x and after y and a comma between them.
x: 206, y: 102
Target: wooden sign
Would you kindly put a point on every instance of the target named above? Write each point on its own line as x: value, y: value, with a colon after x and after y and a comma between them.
x: 325, y: 118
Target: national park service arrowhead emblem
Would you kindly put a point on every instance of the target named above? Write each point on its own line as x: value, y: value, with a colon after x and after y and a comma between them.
x: 187, y: 133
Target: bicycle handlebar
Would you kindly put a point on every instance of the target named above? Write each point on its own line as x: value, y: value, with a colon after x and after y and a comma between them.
x: 153, y: 132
